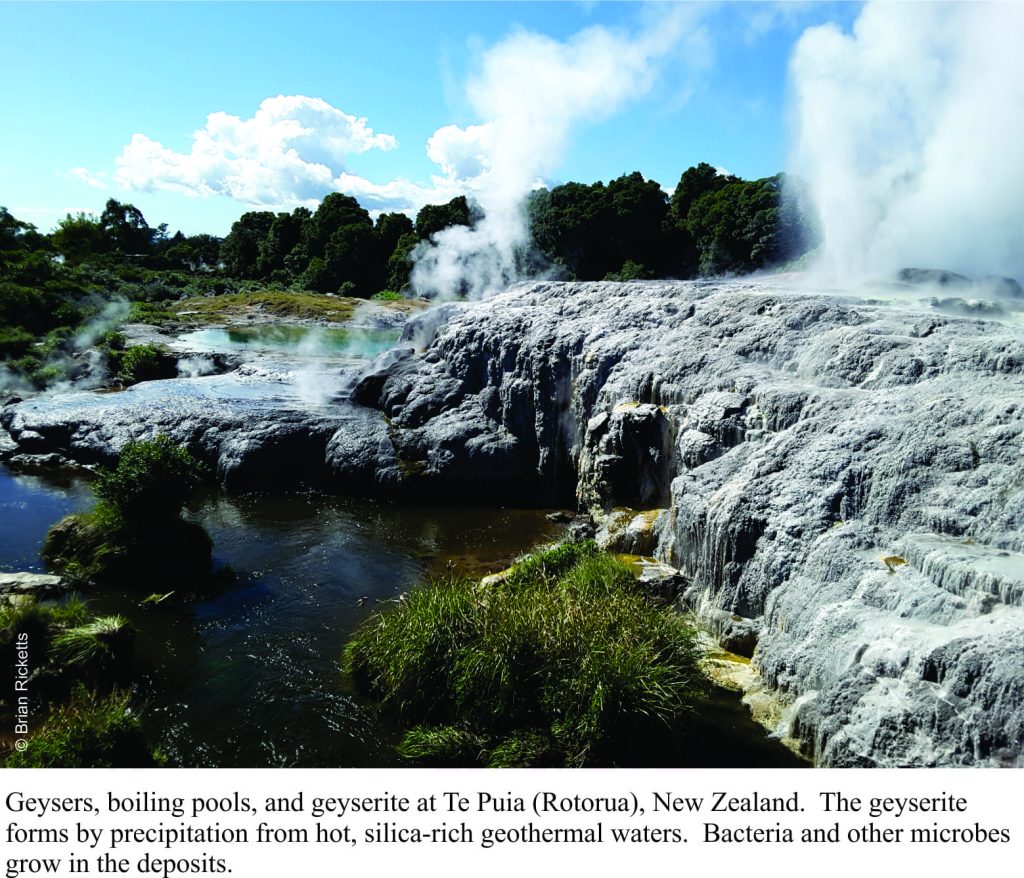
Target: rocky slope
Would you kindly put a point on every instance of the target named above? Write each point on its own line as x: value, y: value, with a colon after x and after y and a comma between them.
x: 782, y: 443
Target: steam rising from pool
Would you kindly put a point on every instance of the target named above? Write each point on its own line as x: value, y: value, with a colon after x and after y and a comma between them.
x: 311, y: 366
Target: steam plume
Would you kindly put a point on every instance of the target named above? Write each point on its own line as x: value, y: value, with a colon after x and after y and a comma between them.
x: 909, y: 131
x: 533, y: 92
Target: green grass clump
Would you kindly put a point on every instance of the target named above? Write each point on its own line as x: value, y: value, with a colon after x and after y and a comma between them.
x: 153, y: 478
x: 441, y: 745
x: 136, y: 529
x: 153, y: 313
x: 387, y: 296
x: 40, y: 621
x: 561, y: 663
x: 100, y: 642
x: 90, y: 731
x: 66, y: 641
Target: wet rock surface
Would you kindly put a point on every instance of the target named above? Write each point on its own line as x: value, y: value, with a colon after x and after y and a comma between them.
x: 791, y: 439
x: 36, y: 584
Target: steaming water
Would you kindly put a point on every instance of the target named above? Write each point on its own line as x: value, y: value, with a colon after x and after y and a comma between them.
x: 251, y: 676
x: 299, y: 341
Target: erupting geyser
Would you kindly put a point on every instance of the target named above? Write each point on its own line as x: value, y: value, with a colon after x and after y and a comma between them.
x: 909, y: 132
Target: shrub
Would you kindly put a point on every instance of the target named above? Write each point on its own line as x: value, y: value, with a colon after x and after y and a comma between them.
x: 563, y: 662
x: 113, y: 340
x: 136, y: 530
x: 631, y: 271
x: 15, y: 341
x: 91, y: 731
x: 153, y: 479
x: 143, y: 362
x: 387, y: 296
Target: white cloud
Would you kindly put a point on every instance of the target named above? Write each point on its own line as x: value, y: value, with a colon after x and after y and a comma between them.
x: 765, y: 17
x: 86, y: 177
x: 288, y: 153
x: 400, y: 194
x: 462, y: 153
x: 530, y: 92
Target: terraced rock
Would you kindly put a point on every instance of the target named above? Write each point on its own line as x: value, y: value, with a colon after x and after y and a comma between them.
x: 793, y: 439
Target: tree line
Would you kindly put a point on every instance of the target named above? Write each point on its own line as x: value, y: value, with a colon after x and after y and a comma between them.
x: 626, y: 229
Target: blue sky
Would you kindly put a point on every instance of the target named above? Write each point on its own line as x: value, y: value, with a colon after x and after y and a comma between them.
x: 89, y: 77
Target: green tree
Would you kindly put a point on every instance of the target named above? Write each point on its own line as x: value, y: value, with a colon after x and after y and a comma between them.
x: 80, y: 237
x: 571, y: 225
x: 349, y: 259
x: 17, y: 235
x: 399, y: 267
x: 433, y: 218
x: 126, y: 228
x: 390, y: 228
x: 696, y: 182
x: 240, y: 251
x: 388, y: 231
x: 315, y: 276
x: 737, y: 227
x: 335, y: 212
x: 283, y: 236
x: 638, y: 209
x: 194, y: 251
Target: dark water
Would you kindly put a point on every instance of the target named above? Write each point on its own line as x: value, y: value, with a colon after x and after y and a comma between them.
x: 251, y: 676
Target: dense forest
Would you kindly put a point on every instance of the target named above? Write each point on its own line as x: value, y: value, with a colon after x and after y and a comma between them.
x: 51, y: 285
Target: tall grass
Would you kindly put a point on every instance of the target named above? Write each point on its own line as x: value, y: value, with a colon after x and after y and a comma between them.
x: 101, y: 641
x: 40, y: 621
x: 90, y: 731
x: 562, y: 663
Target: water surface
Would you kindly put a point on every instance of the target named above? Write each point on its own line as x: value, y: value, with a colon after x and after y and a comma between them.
x: 297, y: 340
x: 251, y: 676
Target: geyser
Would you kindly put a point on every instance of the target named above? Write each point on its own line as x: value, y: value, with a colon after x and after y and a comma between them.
x: 533, y: 92
x: 909, y: 133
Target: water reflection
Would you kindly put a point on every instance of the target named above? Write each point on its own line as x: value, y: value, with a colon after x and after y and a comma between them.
x: 251, y: 676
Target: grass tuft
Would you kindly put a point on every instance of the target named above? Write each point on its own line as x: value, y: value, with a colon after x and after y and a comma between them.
x: 40, y: 621
x: 441, y: 745
x: 563, y: 663
x: 90, y: 731
x: 101, y: 641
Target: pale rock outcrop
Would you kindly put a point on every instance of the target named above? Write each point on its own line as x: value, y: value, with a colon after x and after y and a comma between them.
x: 792, y: 439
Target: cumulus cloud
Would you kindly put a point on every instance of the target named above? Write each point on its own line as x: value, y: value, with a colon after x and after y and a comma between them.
x: 290, y: 152
x: 909, y: 130
x: 399, y: 194
x: 462, y: 153
x: 529, y: 93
